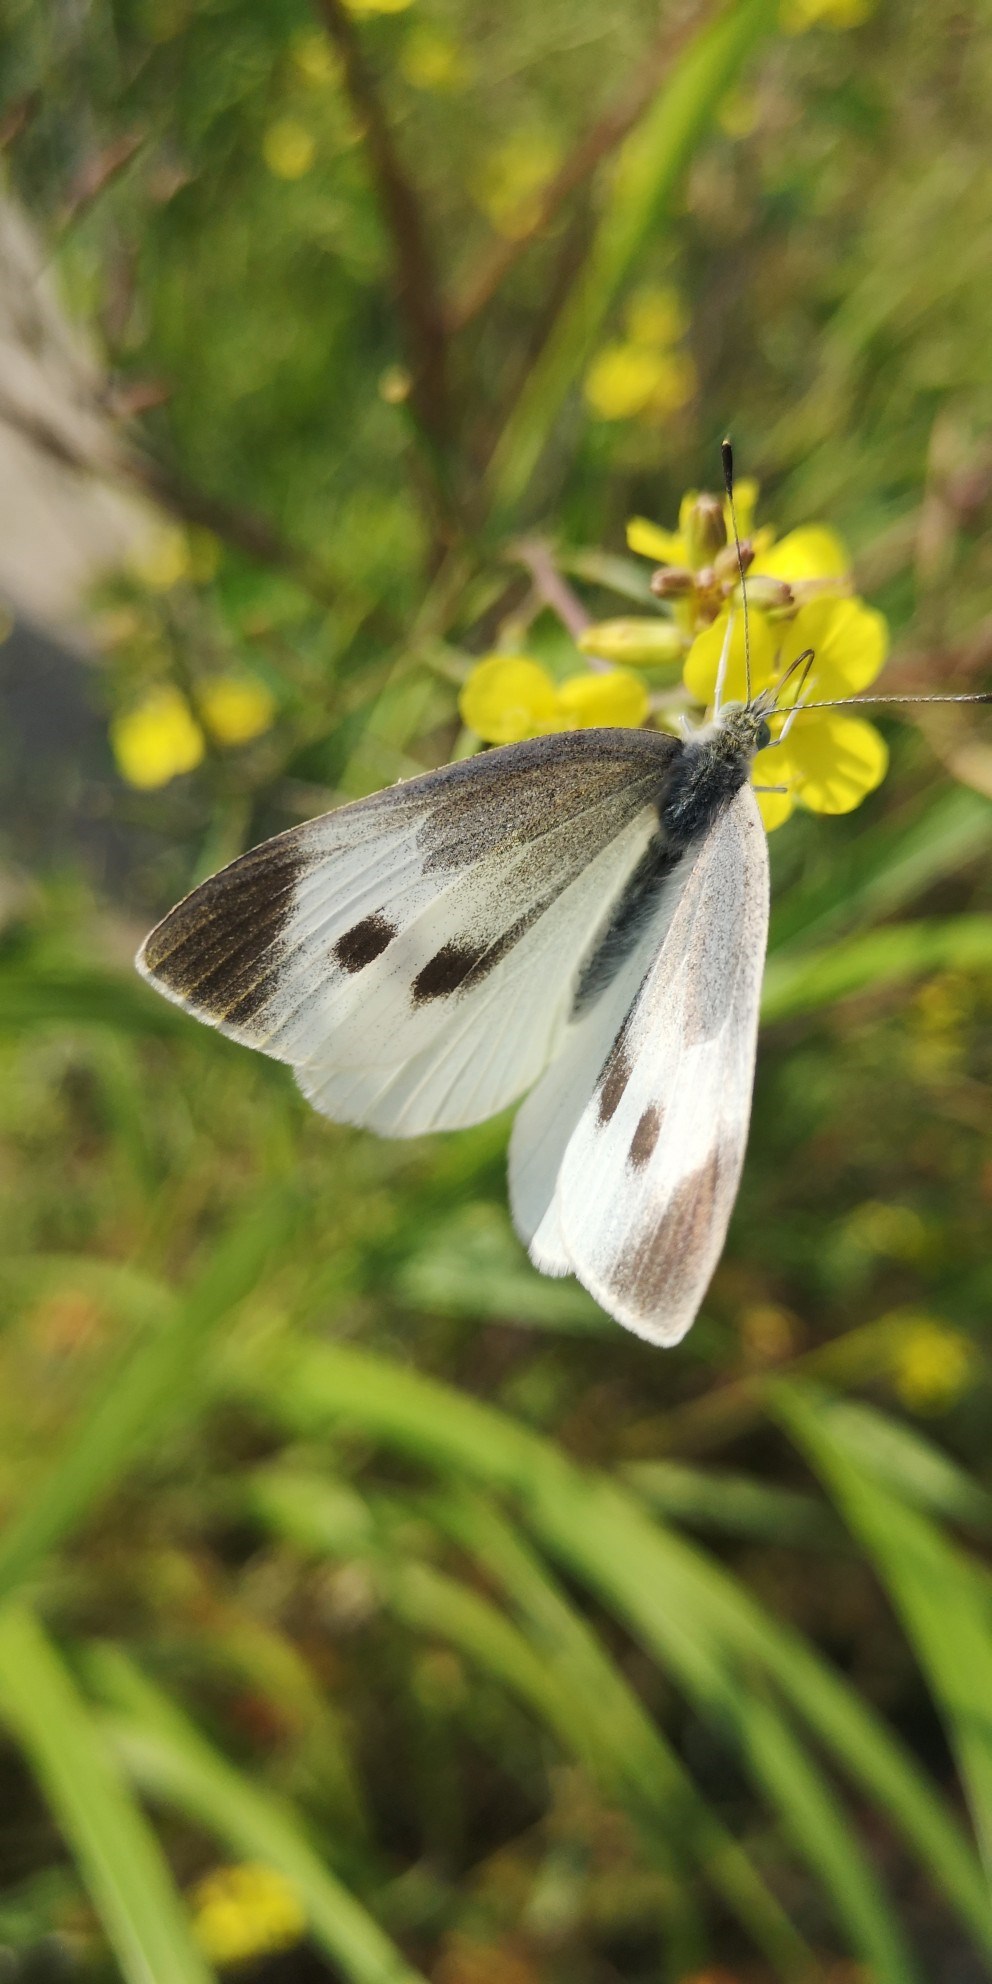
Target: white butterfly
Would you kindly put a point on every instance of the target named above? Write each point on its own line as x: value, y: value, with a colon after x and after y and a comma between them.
x: 583, y: 916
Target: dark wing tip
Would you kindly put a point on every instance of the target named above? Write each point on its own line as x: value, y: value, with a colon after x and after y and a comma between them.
x: 218, y: 951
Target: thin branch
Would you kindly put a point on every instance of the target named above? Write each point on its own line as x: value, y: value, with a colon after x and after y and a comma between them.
x: 418, y: 291
x: 602, y: 138
x: 550, y: 587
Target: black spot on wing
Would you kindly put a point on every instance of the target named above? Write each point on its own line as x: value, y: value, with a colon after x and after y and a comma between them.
x: 646, y: 1136
x: 220, y: 948
x: 364, y: 942
x: 449, y: 969
x: 614, y: 1078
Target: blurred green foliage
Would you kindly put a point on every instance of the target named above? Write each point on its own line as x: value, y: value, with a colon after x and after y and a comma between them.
x: 336, y: 1542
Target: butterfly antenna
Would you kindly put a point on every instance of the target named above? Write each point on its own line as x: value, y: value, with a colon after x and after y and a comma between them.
x: 727, y: 456
x: 852, y: 702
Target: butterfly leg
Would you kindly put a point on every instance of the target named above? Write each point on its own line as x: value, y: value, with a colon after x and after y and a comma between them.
x: 721, y: 673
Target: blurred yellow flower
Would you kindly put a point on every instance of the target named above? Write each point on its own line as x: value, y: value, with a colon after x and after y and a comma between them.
x: 246, y: 1911
x: 235, y: 708
x: 511, y: 179
x: 315, y: 58
x: 644, y: 375
x: 163, y: 560
x: 509, y: 697
x: 625, y: 380
x: 656, y: 315
x: 796, y: 16
x: 361, y: 7
x: 432, y: 60
x: 288, y: 148
x: 931, y: 1366
x: 157, y: 740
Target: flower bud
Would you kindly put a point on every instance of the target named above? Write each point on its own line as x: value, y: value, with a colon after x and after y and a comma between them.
x: 770, y: 595
x: 704, y: 530
x: 726, y: 565
x: 645, y: 643
x: 673, y: 582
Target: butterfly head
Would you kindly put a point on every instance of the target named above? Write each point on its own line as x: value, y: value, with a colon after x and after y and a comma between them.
x: 744, y: 726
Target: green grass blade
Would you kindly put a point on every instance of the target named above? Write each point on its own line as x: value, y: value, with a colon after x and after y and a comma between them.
x: 799, y: 983
x: 558, y: 1670
x: 940, y: 1594
x: 157, y: 1372
x: 881, y: 872
x: 114, y: 1848
x: 637, y: 206
x: 683, y: 1606
x: 169, y: 1758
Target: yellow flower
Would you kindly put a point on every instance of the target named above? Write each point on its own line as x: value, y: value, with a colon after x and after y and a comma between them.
x: 431, y: 60
x: 798, y: 15
x: 163, y: 559
x: 288, y: 148
x: 656, y: 316
x: 672, y: 547
x: 511, y: 179
x: 156, y: 740
x: 614, y: 697
x: 509, y: 697
x: 931, y: 1366
x: 377, y: 6
x: 235, y: 708
x: 315, y: 58
x: 629, y: 379
x: 829, y: 761
x: 246, y: 1911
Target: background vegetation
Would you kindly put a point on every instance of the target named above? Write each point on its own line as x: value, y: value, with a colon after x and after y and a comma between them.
x: 372, y: 1608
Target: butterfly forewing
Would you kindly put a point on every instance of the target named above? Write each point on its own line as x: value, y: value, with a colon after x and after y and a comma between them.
x: 648, y: 1177
x: 415, y: 956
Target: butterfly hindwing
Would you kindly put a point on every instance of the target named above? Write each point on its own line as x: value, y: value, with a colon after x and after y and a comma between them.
x: 648, y: 1176
x: 414, y: 956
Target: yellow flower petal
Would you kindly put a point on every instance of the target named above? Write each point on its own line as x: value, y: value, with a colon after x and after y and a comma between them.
x: 850, y: 641
x: 703, y: 659
x: 666, y: 547
x: 813, y: 552
x: 617, y: 698
x: 235, y: 708
x: 834, y: 761
x: 157, y: 740
x: 508, y: 697
x: 775, y: 808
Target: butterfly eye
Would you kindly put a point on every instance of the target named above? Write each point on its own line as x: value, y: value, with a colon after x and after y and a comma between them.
x: 763, y: 737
